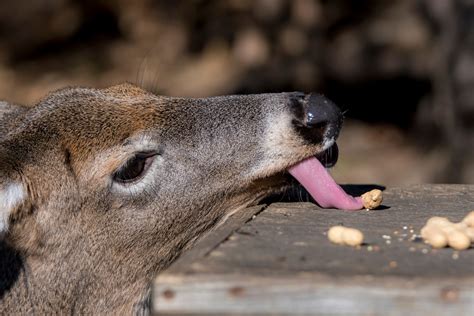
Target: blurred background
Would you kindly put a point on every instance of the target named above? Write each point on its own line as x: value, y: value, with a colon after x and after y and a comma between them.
x: 403, y: 70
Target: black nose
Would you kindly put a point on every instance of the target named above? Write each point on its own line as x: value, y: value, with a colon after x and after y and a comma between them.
x: 316, y: 117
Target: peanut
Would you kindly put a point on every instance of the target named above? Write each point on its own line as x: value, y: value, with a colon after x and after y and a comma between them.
x: 352, y: 237
x: 470, y: 233
x: 437, y: 239
x: 458, y: 240
x: 428, y: 230
x: 437, y: 220
x: 335, y: 234
x: 372, y: 199
x: 439, y: 232
x: 469, y: 219
x: 447, y: 229
x: 345, y: 236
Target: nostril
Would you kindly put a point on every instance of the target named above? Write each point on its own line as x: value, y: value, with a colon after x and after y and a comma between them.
x: 313, y: 120
x: 321, y: 112
x: 319, y: 124
x: 316, y: 117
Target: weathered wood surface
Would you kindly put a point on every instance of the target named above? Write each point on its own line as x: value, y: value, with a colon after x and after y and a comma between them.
x: 281, y: 263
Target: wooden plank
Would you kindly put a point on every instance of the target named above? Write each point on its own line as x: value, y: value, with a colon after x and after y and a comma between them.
x: 290, y: 237
x: 231, y: 294
x: 283, y: 256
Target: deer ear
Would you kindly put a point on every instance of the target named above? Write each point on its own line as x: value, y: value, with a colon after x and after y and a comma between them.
x: 12, y: 195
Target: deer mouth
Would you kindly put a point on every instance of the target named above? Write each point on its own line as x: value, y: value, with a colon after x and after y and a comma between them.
x: 312, y: 174
x: 328, y: 158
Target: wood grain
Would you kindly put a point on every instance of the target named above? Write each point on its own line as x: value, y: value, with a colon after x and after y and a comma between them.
x: 281, y: 263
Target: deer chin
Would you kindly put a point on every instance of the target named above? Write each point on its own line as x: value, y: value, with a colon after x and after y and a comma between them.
x: 312, y: 174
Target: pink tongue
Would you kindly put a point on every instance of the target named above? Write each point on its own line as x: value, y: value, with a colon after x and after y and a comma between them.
x: 322, y: 187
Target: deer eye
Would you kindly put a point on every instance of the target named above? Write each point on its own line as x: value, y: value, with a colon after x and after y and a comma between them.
x: 135, y: 168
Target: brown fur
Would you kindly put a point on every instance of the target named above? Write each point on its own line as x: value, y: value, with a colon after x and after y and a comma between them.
x: 79, y: 242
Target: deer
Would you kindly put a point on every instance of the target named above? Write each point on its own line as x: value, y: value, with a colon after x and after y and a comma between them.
x: 101, y: 189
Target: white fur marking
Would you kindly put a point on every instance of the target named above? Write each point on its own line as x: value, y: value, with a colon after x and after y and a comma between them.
x: 10, y: 197
x: 328, y: 142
